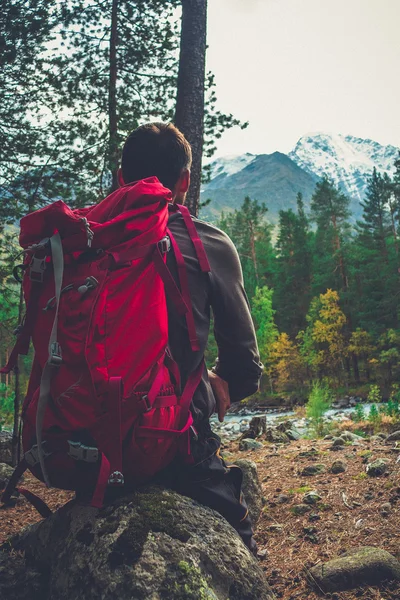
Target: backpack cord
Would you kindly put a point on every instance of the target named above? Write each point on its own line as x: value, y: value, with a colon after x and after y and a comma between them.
x: 55, y: 357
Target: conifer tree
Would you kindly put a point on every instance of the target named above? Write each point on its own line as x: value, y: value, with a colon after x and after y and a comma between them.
x: 292, y: 277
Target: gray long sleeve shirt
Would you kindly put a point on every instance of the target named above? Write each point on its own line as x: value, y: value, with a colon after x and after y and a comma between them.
x: 221, y: 291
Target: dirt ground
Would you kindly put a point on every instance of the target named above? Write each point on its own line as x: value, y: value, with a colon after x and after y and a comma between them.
x: 349, y: 513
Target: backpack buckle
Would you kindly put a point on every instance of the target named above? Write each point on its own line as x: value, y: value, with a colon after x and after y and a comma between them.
x: 32, y: 456
x: 37, y: 269
x: 147, y: 404
x: 164, y: 245
x: 116, y: 478
x: 79, y: 451
x: 55, y: 355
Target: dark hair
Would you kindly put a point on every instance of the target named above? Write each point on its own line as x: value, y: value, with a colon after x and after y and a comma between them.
x: 155, y: 149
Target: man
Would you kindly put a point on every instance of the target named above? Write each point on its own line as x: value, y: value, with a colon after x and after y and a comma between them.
x: 161, y: 150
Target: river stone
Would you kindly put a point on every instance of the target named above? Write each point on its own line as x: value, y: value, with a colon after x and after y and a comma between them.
x: 153, y: 544
x: 377, y: 468
x: 248, y: 444
x: 359, y: 567
x: 5, y: 447
x: 393, y: 437
x: 339, y: 466
x: 251, y: 488
x: 313, y: 470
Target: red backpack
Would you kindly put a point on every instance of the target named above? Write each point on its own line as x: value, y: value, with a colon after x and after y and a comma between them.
x: 104, y: 405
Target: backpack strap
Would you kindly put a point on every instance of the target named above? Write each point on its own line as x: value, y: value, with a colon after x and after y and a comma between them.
x: 55, y: 357
x: 184, y: 283
x: 194, y: 236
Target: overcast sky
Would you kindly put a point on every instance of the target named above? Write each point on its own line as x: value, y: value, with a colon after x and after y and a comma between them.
x: 292, y: 67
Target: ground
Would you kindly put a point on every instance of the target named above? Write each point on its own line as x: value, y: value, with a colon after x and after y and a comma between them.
x: 351, y: 512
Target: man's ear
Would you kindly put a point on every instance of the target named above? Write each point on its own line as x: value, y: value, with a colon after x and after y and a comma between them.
x: 120, y: 178
x: 184, y: 181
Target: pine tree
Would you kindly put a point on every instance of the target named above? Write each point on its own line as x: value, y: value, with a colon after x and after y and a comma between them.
x: 251, y: 235
x: 376, y: 261
x: 292, y: 277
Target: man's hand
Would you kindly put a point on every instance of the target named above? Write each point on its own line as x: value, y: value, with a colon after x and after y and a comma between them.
x: 221, y: 392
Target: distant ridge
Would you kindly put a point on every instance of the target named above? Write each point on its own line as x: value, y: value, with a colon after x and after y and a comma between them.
x: 276, y: 178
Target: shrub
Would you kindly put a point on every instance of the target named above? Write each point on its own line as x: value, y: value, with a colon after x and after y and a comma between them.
x: 359, y: 413
x: 6, y: 406
x: 374, y: 416
x: 375, y: 395
x: 319, y: 402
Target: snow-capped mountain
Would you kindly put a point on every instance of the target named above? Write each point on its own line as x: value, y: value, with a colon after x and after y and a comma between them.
x: 347, y: 160
x: 276, y: 178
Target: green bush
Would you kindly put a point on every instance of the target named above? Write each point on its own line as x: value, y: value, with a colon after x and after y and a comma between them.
x: 6, y: 406
x: 319, y: 401
x: 359, y: 413
x: 374, y: 416
x: 374, y: 395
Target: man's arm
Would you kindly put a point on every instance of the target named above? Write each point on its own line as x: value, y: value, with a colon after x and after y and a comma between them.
x: 238, y: 360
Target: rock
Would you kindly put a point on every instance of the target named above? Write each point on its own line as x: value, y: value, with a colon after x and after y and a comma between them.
x: 377, y: 468
x: 308, y: 453
x: 339, y: 466
x: 338, y: 442
x: 251, y: 488
x: 275, y: 436
x: 5, y: 473
x: 385, y: 509
x: 5, y: 447
x: 300, y: 509
x: 314, y: 517
x: 349, y: 436
x: 282, y: 499
x: 151, y: 544
x: 393, y: 437
x: 293, y: 434
x: 275, y: 528
x: 285, y: 426
x: 363, y: 566
x: 312, y: 498
x: 313, y: 470
x: 257, y: 426
x: 368, y: 496
x: 247, y: 444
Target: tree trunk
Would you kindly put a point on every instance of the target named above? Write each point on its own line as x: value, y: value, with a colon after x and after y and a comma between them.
x: 189, y: 114
x: 112, y: 98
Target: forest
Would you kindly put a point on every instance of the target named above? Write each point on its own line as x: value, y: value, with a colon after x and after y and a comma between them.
x: 323, y: 291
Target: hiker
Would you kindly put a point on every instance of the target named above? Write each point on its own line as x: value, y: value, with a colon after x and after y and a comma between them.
x: 118, y: 298
x: 161, y: 150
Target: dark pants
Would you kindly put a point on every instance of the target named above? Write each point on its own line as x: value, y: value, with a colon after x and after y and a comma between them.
x: 211, y: 482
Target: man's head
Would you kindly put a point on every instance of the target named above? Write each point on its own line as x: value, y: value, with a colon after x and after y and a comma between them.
x: 160, y: 150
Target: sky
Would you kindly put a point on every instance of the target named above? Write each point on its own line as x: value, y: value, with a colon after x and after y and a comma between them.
x: 294, y: 67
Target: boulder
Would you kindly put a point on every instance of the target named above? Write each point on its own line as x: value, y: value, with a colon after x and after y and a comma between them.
x: 349, y: 436
x: 284, y: 426
x: 5, y: 447
x: 363, y: 566
x: 311, y: 497
x: 393, y: 437
x: 248, y: 444
x: 311, y: 470
x: 275, y: 436
x: 153, y: 544
x: 338, y: 442
x: 300, y: 509
x: 256, y: 427
x: 251, y: 488
x: 293, y: 434
x: 339, y: 466
x: 377, y: 468
x: 5, y: 473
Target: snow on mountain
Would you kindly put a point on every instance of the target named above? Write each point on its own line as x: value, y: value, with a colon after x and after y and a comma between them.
x: 347, y: 160
x: 229, y: 165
